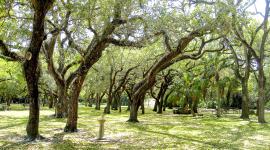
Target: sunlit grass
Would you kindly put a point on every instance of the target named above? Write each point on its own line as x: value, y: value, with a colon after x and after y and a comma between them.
x: 155, y: 131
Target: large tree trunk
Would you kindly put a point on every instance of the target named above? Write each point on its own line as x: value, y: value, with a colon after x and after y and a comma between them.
x: 245, y: 100
x: 30, y: 67
x: 261, y: 95
x: 133, y: 117
x: 72, y: 118
x: 138, y: 98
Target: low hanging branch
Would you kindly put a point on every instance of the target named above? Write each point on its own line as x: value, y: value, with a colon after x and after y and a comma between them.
x: 9, y: 55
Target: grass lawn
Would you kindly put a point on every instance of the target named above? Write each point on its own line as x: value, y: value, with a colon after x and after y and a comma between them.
x: 165, y: 131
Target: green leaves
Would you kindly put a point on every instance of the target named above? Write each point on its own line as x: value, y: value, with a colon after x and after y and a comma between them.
x: 14, y: 85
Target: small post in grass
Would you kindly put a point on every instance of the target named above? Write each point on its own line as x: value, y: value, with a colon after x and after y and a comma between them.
x: 101, y: 127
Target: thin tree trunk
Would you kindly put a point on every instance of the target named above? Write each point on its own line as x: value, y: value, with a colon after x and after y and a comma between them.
x: 107, y: 109
x: 191, y: 108
x: 120, y: 105
x: 195, y: 102
x: 142, y: 105
x: 97, y: 101
x: 50, y: 99
x: 245, y: 101
x: 156, y: 105
x: 119, y: 101
x: 129, y: 99
x: 218, y: 95
x: 166, y: 100
x: 160, y: 105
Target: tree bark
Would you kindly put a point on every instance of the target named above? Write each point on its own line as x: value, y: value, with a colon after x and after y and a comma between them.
x: 160, y: 106
x: 245, y: 101
x: 71, y: 125
x: 30, y: 67
x: 133, y: 113
x: 134, y: 107
x: 50, y: 99
x: 61, y: 104
x: 218, y: 95
x: 261, y: 105
x: 98, y: 99
x: 119, y: 100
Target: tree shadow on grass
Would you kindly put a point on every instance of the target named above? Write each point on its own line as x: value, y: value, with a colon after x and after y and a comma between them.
x: 12, y: 125
x: 58, y: 142
x: 188, y: 139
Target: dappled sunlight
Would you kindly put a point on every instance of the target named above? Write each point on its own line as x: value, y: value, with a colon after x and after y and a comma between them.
x: 12, y: 113
x: 154, y: 131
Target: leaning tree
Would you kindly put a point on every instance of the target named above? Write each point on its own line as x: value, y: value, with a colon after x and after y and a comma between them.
x: 197, y: 30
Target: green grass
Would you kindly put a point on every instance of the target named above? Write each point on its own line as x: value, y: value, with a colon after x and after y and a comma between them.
x: 155, y: 131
